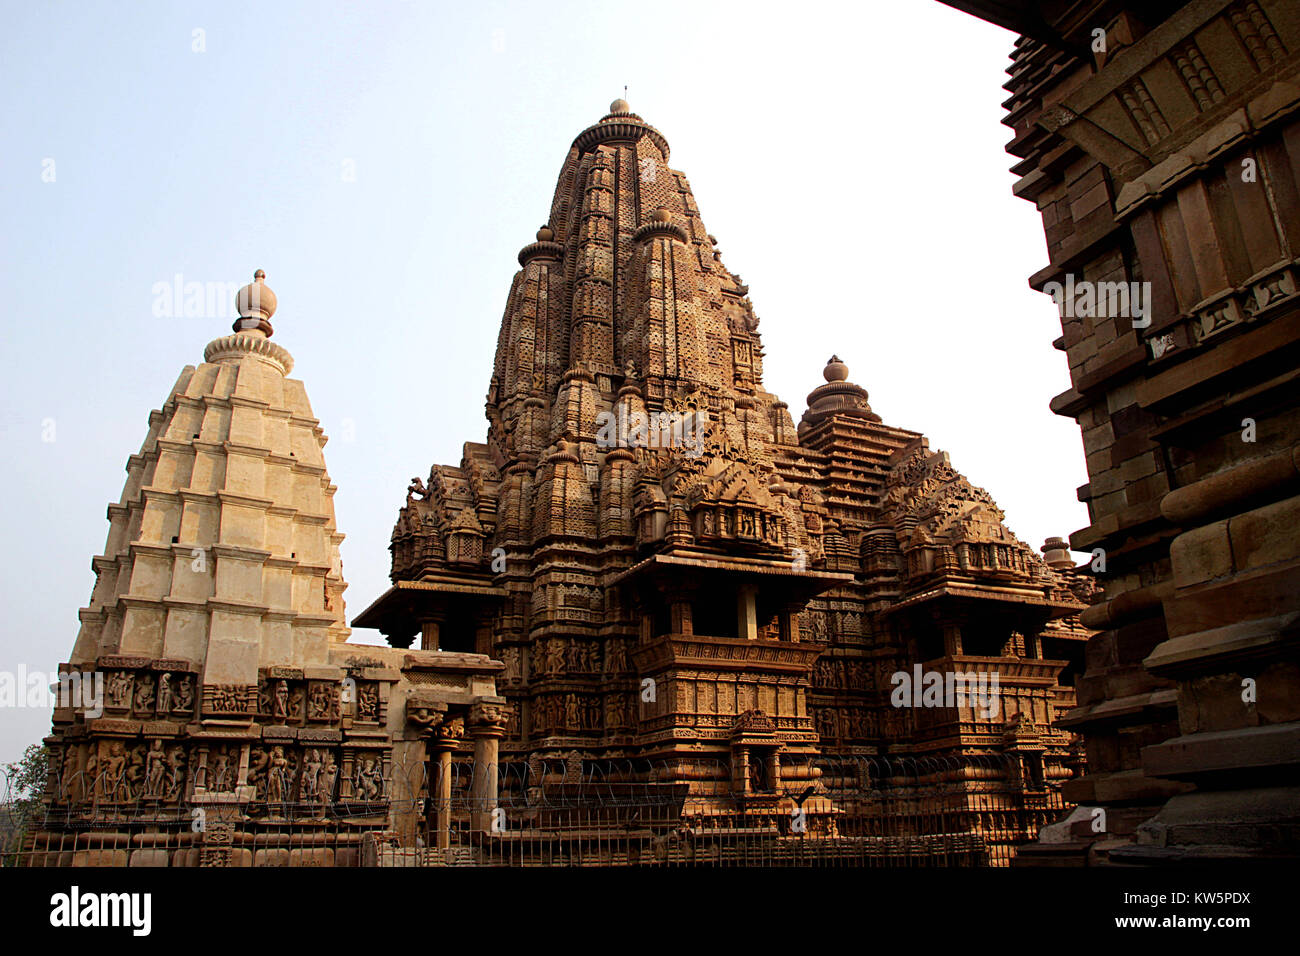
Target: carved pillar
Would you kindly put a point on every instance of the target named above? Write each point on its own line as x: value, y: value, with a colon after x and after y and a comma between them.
x: 788, y: 623
x: 740, y: 779
x: 747, y: 612
x: 487, y: 726
x: 430, y: 631
x: 443, y: 743
x: 951, y: 640
x: 678, y: 597
x: 682, y: 621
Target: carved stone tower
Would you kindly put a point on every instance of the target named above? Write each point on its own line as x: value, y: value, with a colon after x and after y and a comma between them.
x: 659, y: 557
x: 217, y: 628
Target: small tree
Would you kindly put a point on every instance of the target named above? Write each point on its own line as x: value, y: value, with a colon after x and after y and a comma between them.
x: 23, y: 785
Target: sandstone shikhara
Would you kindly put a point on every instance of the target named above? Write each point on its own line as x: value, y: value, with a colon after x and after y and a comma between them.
x: 648, y: 583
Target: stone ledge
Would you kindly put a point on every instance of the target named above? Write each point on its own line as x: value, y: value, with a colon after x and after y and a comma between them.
x: 1216, y: 752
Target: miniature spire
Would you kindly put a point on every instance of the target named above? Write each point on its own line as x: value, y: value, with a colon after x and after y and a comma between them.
x: 838, y: 396
x: 1056, y: 554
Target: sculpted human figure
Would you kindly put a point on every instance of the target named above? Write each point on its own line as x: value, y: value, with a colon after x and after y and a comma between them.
x: 175, y: 772
x: 280, y: 709
x: 114, y: 770
x: 156, y: 772
x: 185, y: 694
x: 135, y: 774
x: 368, y: 779
x: 144, y: 694
x: 318, y: 702
x: 119, y: 689
x: 328, y: 774
x: 277, y: 777
x: 164, y: 694
x: 69, y: 788
x: 368, y: 702
x: 311, y: 768
x: 222, y: 781
x: 257, y: 763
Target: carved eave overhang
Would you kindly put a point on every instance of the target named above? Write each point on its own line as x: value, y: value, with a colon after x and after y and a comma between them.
x: 777, y: 578
x: 441, y: 662
x: 1012, y: 598
x: 1022, y: 672
x: 754, y: 728
x: 441, y: 678
x: 699, y: 652
x: 399, y: 609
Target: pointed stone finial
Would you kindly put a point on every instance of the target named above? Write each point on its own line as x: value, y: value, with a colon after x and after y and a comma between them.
x: 256, y: 304
x: 835, y: 370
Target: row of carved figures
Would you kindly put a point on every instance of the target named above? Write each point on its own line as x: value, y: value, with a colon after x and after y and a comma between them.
x: 147, y: 696
x: 121, y: 772
x: 559, y: 712
x: 565, y: 656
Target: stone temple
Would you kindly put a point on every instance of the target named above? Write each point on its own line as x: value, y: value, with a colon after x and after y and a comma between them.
x: 649, y: 580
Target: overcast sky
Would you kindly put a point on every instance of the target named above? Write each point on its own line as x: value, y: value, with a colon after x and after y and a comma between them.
x: 385, y: 161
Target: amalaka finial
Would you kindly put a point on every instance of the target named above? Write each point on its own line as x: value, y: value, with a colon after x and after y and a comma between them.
x: 620, y: 106
x: 255, y: 304
x: 835, y: 370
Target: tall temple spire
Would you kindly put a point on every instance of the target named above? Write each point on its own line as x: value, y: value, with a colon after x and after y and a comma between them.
x: 648, y: 512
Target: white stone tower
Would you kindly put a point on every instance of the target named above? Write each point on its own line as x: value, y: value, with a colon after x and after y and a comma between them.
x: 223, y: 550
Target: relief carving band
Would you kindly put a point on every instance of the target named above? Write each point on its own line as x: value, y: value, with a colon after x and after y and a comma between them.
x: 226, y: 699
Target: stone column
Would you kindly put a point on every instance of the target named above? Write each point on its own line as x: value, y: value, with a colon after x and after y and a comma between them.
x: 742, y: 770
x: 951, y: 640
x: 430, y: 631
x: 682, y: 620
x: 487, y: 727
x: 678, y: 597
x: 442, y: 745
x: 788, y: 622
x: 747, y: 612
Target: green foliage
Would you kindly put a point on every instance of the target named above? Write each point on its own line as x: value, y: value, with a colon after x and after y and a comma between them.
x: 23, y: 784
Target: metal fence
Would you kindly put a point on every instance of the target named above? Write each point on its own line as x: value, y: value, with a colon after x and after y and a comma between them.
x: 841, y: 811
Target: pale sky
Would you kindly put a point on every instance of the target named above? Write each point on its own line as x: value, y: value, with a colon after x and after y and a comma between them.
x: 849, y: 158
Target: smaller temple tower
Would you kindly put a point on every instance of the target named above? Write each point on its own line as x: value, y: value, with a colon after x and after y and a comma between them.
x: 224, y: 720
